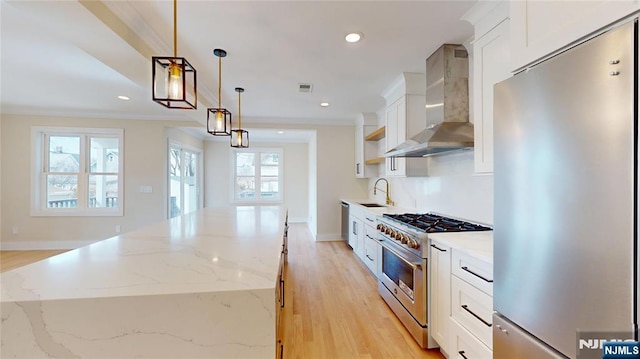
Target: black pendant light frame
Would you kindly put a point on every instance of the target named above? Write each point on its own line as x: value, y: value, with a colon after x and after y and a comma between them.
x: 239, y: 137
x: 161, y: 68
x: 218, y: 118
x: 166, y: 68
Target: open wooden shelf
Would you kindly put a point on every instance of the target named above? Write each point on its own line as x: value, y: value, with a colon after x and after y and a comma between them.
x: 376, y: 135
x: 374, y: 161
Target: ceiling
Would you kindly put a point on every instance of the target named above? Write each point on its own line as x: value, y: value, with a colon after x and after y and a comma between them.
x: 73, y: 58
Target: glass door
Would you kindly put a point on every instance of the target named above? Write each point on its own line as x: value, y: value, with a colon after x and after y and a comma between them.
x: 184, y: 188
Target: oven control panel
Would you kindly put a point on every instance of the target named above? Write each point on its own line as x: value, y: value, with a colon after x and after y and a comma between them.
x: 398, y: 235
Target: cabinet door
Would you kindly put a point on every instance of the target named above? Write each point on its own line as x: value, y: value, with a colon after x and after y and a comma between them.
x: 396, y: 115
x: 490, y: 66
x: 355, y: 235
x: 440, y: 292
x: 359, y: 150
x: 538, y: 28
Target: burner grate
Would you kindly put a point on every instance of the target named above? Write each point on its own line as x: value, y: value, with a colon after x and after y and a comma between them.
x: 431, y: 223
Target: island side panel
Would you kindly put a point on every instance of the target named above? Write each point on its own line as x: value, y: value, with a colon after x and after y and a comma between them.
x: 221, y: 325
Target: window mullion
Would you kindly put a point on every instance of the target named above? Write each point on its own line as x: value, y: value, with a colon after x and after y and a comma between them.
x: 83, y: 173
x: 258, y: 189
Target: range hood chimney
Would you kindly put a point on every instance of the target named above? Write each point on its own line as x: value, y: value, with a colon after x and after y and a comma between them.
x: 447, y: 107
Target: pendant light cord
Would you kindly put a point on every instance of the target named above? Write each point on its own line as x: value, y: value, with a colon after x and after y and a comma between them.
x: 239, y: 113
x: 219, y: 80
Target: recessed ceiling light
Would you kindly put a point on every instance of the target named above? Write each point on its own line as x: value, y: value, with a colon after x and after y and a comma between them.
x: 280, y: 132
x: 324, y: 104
x: 353, y: 37
x: 125, y: 98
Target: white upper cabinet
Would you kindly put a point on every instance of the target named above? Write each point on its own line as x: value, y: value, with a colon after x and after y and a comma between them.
x: 539, y: 28
x: 366, y: 165
x: 490, y: 61
x: 405, y: 116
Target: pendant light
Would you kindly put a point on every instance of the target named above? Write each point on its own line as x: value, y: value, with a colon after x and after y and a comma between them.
x: 239, y: 137
x: 174, y: 79
x: 219, y: 119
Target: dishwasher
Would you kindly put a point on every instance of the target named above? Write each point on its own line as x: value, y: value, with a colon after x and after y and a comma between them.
x: 345, y: 223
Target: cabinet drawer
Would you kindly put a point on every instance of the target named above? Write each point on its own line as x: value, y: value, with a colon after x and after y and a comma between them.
x: 371, y: 256
x: 474, y: 271
x: 473, y: 309
x: 464, y: 345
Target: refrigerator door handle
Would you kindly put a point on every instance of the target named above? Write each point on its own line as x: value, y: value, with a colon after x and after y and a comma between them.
x: 466, y: 269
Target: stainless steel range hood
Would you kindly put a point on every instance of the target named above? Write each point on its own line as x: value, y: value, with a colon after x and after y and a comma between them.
x: 447, y: 107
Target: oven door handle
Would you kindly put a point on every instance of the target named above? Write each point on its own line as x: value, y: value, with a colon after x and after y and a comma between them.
x: 415, y: 266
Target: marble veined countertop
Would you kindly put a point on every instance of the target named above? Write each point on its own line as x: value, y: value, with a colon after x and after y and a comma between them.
x: 211, y: 250
x: 202, y: 285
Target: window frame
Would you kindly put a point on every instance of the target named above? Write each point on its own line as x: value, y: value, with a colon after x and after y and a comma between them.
x: 39, y: 171
x: 257, y: 175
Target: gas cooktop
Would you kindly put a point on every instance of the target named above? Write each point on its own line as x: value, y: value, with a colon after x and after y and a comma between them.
x: 430, y: 223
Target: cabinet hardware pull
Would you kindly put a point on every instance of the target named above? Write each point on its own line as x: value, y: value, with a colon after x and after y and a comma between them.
x: 438, y: 248
x: 369, y: 219
x: 466, y: 269
x: 368, y: 236
x: 371, y: 259
x: 465, y: 307
x: 357, y: 168
x: 462, y: 354
x: 282, y: 293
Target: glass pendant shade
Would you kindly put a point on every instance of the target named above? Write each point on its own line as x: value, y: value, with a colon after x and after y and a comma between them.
x: 174, y: 82
x: 174, y: 79
x: 239, y: 137
x: 218, y: 121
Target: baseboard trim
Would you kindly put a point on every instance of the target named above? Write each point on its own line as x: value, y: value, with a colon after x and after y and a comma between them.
x: 328, y: 237
x: 297, y: 220
x: 42, y: 245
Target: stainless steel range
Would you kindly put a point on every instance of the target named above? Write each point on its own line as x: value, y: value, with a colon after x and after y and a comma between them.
x: 404, y: 270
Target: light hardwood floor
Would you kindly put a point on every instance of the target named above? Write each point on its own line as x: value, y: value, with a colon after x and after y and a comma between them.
x: 14, y: 259
x: 332, y: 306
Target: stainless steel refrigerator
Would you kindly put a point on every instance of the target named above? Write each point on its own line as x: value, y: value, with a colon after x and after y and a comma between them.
x: 566, y: 201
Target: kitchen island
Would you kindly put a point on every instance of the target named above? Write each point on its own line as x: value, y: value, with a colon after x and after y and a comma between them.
x: 200, y: 285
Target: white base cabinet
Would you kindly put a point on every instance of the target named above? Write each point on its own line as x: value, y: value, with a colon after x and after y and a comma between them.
x: 464, y: 345
x: 460, y: 300
x: 363, y: 237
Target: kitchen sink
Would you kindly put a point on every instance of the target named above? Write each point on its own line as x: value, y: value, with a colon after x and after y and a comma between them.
x: 371, y: 205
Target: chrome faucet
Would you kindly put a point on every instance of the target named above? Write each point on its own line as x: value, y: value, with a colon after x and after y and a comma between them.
x: 386, y: 191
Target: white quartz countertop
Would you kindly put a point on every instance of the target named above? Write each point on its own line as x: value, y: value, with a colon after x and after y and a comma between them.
x: 211, y: 250
x: 477, y: 244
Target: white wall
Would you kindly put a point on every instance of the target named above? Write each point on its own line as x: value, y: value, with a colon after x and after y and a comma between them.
x: 313, y: 185
x: 331, y: 179
x: 451, y: 189
x: 145, y: 157
x: 218, y: 173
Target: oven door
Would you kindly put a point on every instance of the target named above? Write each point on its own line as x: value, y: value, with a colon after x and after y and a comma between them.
x: 402, y: 273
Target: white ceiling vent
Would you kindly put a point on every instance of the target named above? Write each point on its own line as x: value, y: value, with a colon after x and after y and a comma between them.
x: 305, y: 88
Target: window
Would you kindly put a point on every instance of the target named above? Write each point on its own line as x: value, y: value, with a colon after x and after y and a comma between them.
x: 77, y: 172
x: 184, y: 180
x: 257, y: 175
